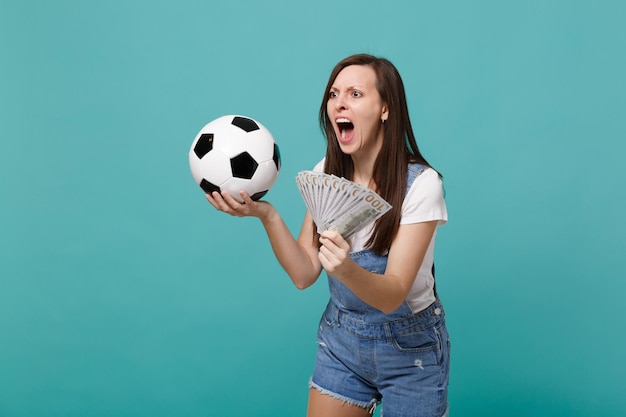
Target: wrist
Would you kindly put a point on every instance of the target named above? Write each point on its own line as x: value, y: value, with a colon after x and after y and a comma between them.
x: 269, y: 214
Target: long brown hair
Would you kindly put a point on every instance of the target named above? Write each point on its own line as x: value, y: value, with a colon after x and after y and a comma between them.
x: 398, y: 150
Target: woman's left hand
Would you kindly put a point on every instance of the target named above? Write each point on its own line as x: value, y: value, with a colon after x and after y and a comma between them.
x: 225, y: 202
x: 334, y: 252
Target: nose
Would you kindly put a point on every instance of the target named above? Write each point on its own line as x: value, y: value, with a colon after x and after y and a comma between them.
x: 340, y: 103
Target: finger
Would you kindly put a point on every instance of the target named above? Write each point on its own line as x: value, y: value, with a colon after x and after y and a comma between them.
x: 230, y: 200
x: 341, y: 242
x: 330, y: 250
x: 246, y: 198
x: 216, y: 201
x: 239, y: 208
x: 324, y: 241
x: 332, y: 235
x: 328, y: 260
x: 322, y: 255
x: 326, y: 234
x: 211, y: 200
x: 335, y: 238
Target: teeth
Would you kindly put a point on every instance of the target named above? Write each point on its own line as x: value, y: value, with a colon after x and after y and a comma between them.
x: 342, y: 121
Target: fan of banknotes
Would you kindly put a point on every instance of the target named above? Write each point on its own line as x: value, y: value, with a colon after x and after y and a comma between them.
x: 339, y: 204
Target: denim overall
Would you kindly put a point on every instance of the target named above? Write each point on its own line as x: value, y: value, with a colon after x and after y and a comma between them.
x: 365, y: 355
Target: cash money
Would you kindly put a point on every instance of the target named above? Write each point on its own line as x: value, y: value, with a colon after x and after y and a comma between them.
x: 338, y: 204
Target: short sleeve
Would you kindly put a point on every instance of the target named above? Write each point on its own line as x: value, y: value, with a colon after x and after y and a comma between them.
x: 319, y: 167
x: 424, y: 201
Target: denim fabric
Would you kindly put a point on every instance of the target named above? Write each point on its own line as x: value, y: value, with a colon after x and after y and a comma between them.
x: 365, y: 355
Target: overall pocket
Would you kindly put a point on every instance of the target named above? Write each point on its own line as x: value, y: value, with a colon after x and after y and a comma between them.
x: 426, y: 342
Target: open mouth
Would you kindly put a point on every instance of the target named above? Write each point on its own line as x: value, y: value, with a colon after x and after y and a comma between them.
x: 345, y: 127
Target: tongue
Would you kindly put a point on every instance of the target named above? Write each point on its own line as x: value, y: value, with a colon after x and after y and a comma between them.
x: 346, y: 131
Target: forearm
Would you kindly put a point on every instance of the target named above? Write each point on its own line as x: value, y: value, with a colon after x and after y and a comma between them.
x: 384, y: 292
x: 294, y: 257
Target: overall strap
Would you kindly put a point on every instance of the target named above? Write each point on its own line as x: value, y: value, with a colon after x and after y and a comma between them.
x: 415, y: 170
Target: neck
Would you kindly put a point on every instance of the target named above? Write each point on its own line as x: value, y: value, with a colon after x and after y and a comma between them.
x: 363, y: 163
x: 363, y: 172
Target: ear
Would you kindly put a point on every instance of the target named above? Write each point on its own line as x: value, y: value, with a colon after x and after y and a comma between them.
x: 384, y: 115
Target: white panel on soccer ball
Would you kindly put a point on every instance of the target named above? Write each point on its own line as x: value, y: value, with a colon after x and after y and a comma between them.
x: 214, y: 167
x: 234, y: 185
x: 260, y: 145
x: 265, y: 175
x: 195, y: 165
x: 231, y: 141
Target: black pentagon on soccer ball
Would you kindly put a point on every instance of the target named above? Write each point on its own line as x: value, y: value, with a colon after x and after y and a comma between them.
x: 244, y: 123
x: 257, y: 196
x: 209, y: 187
x: 243, y: 165
x: 276, y: 157
x: 204, y: 145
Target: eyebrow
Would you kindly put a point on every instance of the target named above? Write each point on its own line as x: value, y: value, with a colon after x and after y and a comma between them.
x: 352, y: 87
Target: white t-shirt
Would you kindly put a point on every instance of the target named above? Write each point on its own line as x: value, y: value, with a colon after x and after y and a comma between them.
x: 424, y: 202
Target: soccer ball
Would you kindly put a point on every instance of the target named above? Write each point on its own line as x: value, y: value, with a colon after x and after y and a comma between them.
x: 233, y: 153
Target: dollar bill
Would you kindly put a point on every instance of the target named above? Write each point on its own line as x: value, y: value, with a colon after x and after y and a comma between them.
x: 339, y: 204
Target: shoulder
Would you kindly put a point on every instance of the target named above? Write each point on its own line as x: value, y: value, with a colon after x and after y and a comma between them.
x: 415, y: 168
x: 415, y: 171
x: 319, y: 167
x: 425, y: 175
x: 424, y: 179
x: 424, y: 200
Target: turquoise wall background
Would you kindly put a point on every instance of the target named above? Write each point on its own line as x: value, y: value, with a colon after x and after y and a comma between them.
x: 123, y: 293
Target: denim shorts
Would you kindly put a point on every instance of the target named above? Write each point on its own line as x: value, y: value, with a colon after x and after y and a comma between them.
x: 404, y: 363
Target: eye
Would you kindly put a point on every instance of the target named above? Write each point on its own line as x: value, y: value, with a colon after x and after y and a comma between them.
x: 356, y: 93
x: 332, y: 94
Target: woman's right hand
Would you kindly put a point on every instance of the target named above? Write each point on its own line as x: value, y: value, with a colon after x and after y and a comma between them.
x: 225, y: 202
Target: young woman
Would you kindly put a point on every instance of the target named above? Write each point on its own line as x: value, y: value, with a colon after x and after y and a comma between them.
x: 383, y: 334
